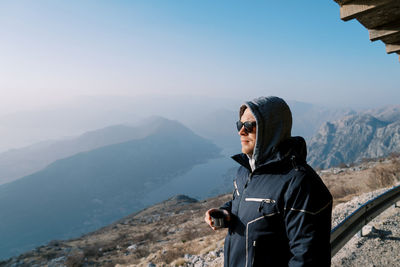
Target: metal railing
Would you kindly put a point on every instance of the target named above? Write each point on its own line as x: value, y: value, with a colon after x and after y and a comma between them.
x: 344, y: 231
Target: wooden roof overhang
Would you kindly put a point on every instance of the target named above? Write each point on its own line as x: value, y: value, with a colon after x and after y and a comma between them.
x: 380, y: 17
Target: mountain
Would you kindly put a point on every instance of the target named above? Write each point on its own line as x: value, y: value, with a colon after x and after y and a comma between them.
x: 80, y: 193
x: 207, y: 116
x: 211, y: 118
x: 308, y: 118
x: 86, y: 113
x: 387, y: 113
x: 17, y: 163
x: 219, y: 126
x: 356, y: 137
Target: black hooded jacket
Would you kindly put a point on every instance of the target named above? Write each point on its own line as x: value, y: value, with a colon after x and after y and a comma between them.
x: 281, y: 211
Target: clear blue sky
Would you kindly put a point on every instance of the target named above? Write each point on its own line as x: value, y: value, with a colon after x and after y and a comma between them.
x: 51, y: 51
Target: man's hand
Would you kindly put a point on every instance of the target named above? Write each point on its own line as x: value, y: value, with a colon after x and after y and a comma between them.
x: 207, y: 217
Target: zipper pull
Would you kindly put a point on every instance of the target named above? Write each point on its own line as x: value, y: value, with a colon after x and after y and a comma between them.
x: 236, y: 187
x: 261, y: 205
x: 268, y: 201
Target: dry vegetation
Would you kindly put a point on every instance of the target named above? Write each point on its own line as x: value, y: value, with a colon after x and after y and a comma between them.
x: 164, y: 233
x: 345, y: 183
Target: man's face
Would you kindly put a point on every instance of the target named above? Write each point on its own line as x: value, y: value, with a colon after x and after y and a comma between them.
x: 248, y: 140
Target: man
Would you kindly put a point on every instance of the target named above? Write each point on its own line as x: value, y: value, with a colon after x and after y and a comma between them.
x: 280, y: 213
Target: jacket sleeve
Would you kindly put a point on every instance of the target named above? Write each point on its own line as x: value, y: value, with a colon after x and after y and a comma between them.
x: 227, y: 206
x: 307, y: 216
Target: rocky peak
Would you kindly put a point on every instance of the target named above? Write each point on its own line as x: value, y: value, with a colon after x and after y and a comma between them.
x: 353, y: 138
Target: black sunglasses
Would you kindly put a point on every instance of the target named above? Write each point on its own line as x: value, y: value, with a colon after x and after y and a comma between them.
x: 248, y: 126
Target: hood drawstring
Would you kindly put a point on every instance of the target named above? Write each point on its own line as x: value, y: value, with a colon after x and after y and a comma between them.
x: 293, y: 158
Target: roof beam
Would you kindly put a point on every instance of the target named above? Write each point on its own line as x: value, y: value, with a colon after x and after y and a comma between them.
x: 342, y: 2
x: 392, y: 48
x: 384, y: 31
x: 356, y: 8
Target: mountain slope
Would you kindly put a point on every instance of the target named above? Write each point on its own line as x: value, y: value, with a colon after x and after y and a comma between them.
x: 88, y: 190
x: 308, y: 118
x: 17, y: 163
x: 353, y: 138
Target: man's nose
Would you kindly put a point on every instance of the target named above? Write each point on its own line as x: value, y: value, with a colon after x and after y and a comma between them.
x: 242, y: 131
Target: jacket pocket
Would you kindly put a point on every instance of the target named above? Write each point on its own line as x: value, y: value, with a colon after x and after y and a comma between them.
x: 256, y: 199
x: 266, y: 206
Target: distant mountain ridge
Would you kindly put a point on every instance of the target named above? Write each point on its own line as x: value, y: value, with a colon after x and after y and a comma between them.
x: 388, y: 113
x: 355, y: 137
x: 211, y: 118
x: 17, y: 163
x: 86, y: 113
x: 80, y: 193
x: 199, y: 113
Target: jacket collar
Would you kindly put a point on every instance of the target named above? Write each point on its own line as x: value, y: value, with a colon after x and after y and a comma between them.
x: 243, y: 160
x: 293, y: 149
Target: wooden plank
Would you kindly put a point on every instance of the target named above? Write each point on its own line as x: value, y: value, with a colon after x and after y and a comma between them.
x: 392, y: 48
x: 342, y: 2
x: 384, y: 31
x: 391, y: 39
x: 375, y: 35
x: 359, y: 7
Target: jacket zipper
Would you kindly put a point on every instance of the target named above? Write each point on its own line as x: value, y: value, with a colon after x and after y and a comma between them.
x: 264, y: 200
x: 248, y: 180
x: 236, y: 187
x: 254, y: 253
x: 261, y: 200
x: 240, y: 202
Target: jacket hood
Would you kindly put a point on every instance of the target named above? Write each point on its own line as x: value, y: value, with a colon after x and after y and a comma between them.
x: 274, y: 125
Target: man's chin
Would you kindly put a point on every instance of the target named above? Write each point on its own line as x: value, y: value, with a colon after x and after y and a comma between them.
x: 248, y: 152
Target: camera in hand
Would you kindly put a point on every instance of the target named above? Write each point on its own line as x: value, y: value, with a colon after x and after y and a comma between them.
x: 218, y: 218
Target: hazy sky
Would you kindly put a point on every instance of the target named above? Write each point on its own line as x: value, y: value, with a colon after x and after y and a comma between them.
x: 51, y: 51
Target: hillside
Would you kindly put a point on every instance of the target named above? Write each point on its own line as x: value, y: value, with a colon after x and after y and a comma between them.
x: 174, y: 233
x: 356, y: 137
x: 17, y: 163
x: 91, y: 189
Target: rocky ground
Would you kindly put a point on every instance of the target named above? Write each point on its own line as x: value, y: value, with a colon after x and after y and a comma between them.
x: 380, y: 243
